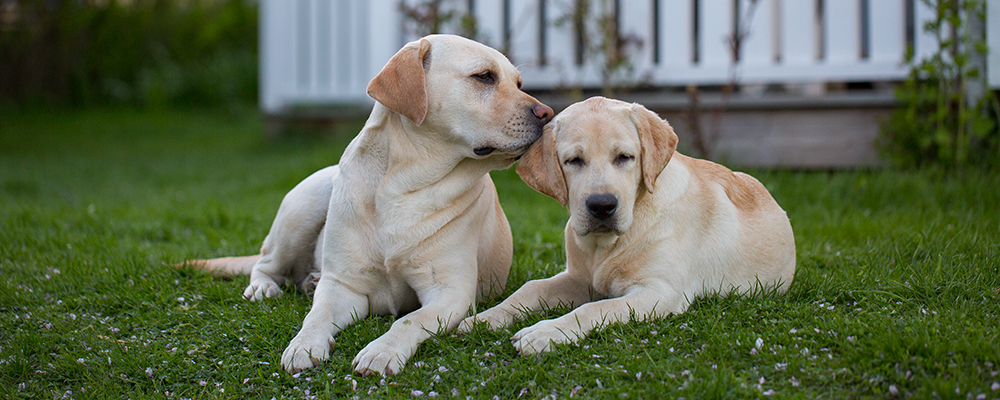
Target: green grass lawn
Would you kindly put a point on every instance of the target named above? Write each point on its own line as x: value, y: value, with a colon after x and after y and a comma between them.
x: 897, y: 291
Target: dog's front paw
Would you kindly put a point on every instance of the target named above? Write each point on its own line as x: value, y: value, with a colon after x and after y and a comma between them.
x: 466, y: 325
x: 258, y: 291
x: 495, y: 319
x: 304, y: 353
x: 541, y: 337
x: 378, y: 357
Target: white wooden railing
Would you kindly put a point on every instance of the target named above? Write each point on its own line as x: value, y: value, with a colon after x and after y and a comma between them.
x: 324, y: 52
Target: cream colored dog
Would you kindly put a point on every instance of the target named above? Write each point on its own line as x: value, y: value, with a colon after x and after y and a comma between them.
x: 409, y: 220
x: 649, y: 231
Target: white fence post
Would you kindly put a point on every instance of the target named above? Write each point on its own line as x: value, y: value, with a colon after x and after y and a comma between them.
x: 993, y: 41
x: 888, y: 29
x: 841, y: 32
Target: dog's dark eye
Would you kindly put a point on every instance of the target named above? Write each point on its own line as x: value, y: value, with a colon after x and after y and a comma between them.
x: 624, y: 158
x: 519, y: 83
x: 575, y: 161
x: 486, y: 77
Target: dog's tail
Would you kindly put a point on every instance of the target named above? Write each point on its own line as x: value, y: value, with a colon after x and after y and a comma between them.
x: 224, y: 267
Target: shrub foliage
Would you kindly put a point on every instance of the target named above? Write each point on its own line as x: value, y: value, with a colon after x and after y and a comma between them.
x: 147, y: 52
x: 939, y: 121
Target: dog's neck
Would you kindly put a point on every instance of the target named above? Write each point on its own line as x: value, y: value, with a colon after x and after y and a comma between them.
x: 409, y: 158
x: 417, y: 181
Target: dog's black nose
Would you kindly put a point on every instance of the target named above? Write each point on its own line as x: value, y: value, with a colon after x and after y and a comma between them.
x: 543, y: 112
x: 601, y: 206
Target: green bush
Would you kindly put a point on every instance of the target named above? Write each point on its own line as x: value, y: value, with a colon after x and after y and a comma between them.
x: 145, y: 52
x: 938, y: 122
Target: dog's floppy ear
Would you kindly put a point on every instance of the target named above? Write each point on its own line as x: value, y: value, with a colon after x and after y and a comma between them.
x: 658, y: 142
x: 400, y: 84
x: 540, y: 167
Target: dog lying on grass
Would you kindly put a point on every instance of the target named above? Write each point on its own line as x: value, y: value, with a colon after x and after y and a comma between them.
x: 649, y: 231
x: 408, y: 223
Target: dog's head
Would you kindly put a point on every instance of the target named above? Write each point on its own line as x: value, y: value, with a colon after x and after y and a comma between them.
x: 469, y: 92
x: 596, y: 157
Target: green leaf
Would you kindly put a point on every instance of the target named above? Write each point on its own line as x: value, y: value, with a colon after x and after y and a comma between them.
x: 942, y: 136
x: 960, y: 60
x: 982, y: 127
x: 982, y: 47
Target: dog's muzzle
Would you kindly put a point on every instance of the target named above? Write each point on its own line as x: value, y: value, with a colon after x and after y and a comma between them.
x: 525, y: 129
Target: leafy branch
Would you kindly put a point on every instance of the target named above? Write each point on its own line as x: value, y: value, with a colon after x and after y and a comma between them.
x: 938, y: 121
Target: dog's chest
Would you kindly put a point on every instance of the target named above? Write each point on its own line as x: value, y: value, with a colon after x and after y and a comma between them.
x: 613, y: 270
x: 612, y: 278
x: 395, y: 298
x: 609, y: 276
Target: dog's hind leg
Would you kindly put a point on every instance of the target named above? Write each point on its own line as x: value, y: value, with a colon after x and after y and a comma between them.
x: 224, y: 267
x: 290, y: 246
x: 310, y: 281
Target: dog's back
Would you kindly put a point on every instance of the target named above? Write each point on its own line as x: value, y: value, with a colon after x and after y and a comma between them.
x: 767, y: 245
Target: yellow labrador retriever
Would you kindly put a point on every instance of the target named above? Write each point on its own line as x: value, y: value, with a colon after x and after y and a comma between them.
x: 408, y: 222
x: 649, y: 231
